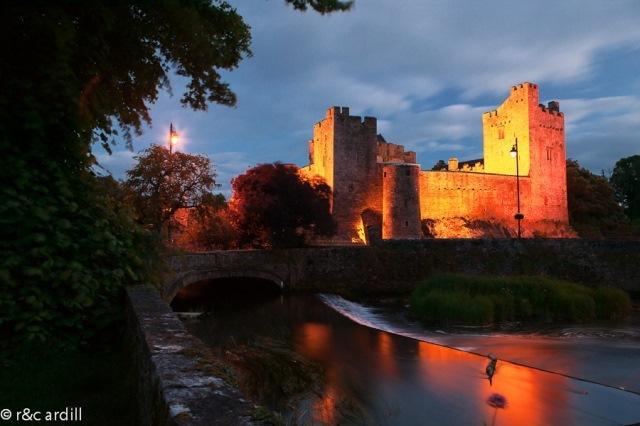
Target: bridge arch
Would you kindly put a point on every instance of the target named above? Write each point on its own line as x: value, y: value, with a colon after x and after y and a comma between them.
x: 191, y: 277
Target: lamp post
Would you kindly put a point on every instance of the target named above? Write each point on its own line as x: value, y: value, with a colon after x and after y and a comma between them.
x: 518, y: 216
x: 173, y: 138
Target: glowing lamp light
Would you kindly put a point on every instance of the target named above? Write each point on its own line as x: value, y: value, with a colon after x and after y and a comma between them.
x: 173, y: 137
x: 513, y: 152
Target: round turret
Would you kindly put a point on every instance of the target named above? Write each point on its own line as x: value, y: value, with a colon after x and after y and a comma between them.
x: 400, y: 201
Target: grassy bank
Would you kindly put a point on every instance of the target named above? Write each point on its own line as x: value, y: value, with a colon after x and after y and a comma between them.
x: 481, y: 300
x: 96, y: 379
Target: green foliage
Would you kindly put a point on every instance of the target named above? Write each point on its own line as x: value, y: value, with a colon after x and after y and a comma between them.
x: 625, y: 180
x: 66, y: 253
x: 442, y: 307
x: 72, y: 73
x: 440, y: 166
x: 274, y: 206
x: 481, y: 300
x: 161, y: 183
x: 322, y: 6
x: 611, y: 303
x: 593, y: 209
x: 103, y: 63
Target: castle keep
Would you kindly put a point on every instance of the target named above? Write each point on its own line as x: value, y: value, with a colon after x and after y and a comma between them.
x: 379, y: 191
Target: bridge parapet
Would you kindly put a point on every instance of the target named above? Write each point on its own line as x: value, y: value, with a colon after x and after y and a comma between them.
x: 395, y: 267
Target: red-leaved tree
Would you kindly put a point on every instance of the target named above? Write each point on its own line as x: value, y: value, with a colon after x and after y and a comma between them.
x: 273, y: 205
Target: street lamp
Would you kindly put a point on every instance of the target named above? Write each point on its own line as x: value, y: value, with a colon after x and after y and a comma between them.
x: 518, y: 216
x: 173, y: 138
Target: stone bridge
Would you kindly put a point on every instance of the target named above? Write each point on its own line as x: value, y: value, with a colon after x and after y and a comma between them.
x: 395, y: 266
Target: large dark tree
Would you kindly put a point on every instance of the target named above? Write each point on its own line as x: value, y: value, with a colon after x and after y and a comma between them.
x: 593, y: 209
x: 72, y: 73
x: 625, y: 180
x: 274, y: 206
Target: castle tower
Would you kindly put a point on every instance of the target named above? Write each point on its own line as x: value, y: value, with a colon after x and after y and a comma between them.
x: 503, y: 125
x: 541, y: 149
x: 343, y: 151
x: 400, y: 201
x: 548, y: 169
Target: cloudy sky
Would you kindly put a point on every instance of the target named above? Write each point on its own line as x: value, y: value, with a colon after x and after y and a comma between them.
x: 427, y: 69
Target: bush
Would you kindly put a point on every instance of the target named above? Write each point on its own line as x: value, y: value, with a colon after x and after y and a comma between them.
x: 612, y: 303
x: 444, y: 307
x: 66, y: 253
x: 474, y: 300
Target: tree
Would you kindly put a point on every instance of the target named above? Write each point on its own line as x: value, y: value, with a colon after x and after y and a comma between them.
x: 322, y: 6
x: 106, y: 62
x: 593, y: 210
x: 73, y: 73
x: 161, y: 183
x: 440, y: 165
x: 274, y: 206
x: 207, y: 228
x: 625, y: 180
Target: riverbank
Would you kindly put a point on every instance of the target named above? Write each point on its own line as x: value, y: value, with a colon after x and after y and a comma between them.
x: 460, y: 299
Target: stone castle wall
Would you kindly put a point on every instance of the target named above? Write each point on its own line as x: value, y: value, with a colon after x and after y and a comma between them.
x: 344, y: 149
x: 400, y: 201
x: 470, y: 195
x: 354, y: 160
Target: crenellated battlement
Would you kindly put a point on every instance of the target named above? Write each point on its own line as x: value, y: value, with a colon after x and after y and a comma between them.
x: 342, y: 114
x: 367, y: 174
x: 525, y: 85
x: 553, y: 108
x: 336, y: 111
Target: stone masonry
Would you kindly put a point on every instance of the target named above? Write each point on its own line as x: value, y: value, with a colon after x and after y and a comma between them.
x: 380, y: 191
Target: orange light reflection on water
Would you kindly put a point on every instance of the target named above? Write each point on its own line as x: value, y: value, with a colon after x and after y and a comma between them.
x: 525, y: 389
x: 385, y: 349
x: 313, y: 341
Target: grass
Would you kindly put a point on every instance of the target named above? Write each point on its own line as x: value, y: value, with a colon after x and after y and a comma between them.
x: 483, y: 300
x: 43, y: 378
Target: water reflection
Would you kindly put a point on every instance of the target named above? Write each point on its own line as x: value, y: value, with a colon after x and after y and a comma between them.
x: 373, y: 377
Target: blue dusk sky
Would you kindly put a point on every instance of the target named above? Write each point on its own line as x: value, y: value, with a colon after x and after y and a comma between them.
x: 427, y: 69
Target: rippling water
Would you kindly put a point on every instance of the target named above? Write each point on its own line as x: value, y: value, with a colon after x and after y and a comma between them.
x: 606, y: 354
x: 379, y: 369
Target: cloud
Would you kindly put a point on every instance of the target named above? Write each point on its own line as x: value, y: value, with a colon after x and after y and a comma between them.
x: 115, y: 164
x: 600, y: 131
x: 227, y: 166
x: 426, y: 69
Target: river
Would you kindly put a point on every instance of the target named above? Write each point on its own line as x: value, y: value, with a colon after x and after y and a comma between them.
x: 379, y: 368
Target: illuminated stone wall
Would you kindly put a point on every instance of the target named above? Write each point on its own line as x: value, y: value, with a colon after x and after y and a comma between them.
x: 343, y: 151
x: 400, y: 201
x: 470, y: 195
x: 490, y: 195
x: 347, y: 151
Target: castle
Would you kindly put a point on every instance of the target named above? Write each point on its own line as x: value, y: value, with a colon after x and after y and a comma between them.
x: 379, y: 191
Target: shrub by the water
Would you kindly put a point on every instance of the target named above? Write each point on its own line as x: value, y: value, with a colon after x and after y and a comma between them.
x: 611, y: 303
x: 481, y: 300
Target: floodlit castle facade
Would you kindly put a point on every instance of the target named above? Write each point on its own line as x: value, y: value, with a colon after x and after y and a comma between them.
x: 379, y: 190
